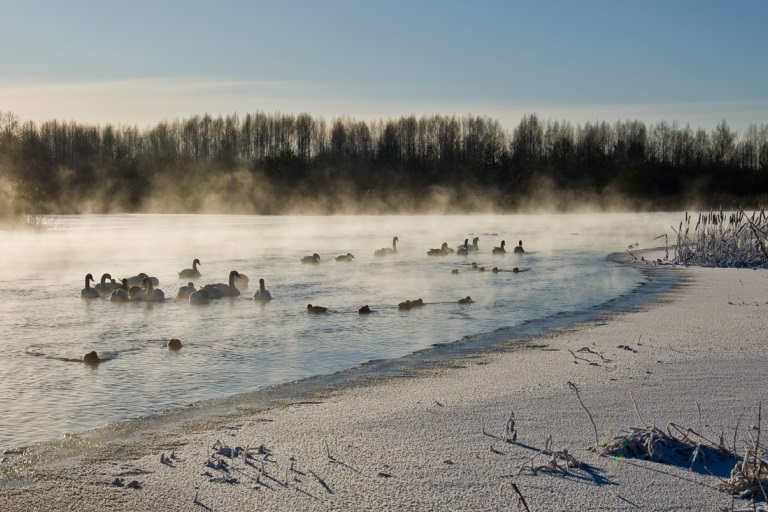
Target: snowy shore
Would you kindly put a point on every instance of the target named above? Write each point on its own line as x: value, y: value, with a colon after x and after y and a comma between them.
x: 442, y: 439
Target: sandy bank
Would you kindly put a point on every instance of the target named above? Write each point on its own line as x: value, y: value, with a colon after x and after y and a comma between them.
x: 436, y: 441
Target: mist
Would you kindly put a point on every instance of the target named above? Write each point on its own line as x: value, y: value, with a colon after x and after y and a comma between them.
x: 284, y: 164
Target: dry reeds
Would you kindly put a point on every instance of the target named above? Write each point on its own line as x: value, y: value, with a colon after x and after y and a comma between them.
x: 723, y: 239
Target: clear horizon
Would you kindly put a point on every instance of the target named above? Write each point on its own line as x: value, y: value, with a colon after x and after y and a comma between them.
x: 693, y: 63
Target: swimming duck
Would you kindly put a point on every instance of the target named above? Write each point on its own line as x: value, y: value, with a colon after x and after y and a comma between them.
x: 466, y: 300
x: 455, y: 271
x: 312, y: 260
x: 262, y: 294
x: 364, y: 310
x: 386, y: 251
x: 91, y: 358
x: 345, y: 258
x: 519, y: 248
x: 88, y: 292
x: 191, y: 273
x: 499, y: 250
x: 316, y: 310
x: 408, y: 304
x: 174, y: 344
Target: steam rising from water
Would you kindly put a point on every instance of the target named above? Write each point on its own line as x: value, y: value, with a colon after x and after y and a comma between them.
x: 240, y: 345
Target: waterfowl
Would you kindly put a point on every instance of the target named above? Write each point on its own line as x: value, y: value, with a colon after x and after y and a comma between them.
x: 364, y: 310
x: 174, y: 344
x: 138, y: 280
x: 463, y: 250
x: 466, y: 300
x: 136, y: 293
x: 500, y: 250
x: 152, y: 294
x: 315, y: 310
x: 88, y: 292
x: 474, y: 247
x: 515, y: 270
x: 120, y: 294
x: 185, y: 291
x: 229, y: 290
x: 191, y: 273
x: 91, y: 358
x: 386, y: 251
x: 212, y: 292
x: 495, y: 270
x: 312, y: 260
x: 262, y: 294
x: 455, y: 271
x: 199, y: 297
x: 345, y: 258
x: 408, y: 304
x: 442, y: 251
x: 519, y: 248
x: 104, y: 288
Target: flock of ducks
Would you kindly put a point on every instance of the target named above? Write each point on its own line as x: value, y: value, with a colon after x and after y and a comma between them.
x: 143, y: 287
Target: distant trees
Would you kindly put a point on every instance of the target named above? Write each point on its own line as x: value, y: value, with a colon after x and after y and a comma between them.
x: 279, y: 163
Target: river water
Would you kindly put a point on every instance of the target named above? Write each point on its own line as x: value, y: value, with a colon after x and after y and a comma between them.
x: 239, y: 345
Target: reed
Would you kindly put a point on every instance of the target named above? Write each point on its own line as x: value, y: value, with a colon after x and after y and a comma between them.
x: 723, y: 239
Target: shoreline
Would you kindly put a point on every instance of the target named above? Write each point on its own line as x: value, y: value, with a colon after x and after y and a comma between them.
x: 432, y: 439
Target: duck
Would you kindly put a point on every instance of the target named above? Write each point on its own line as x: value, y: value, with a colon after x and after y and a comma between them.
x: 463, y: 250
x: 104, y: 288
x: 185, y: 291
x: 455, y: 271
x: 442, y: 251
x: 229, y: 290
x: 345, y: 258
x: 408, y: 304
x: 466, y: 300
x: 199, y: 297
x: 262, y: 294
x: 88, y: 292
x: 386, y: 251
x: 91, y: 358
x: 495, y: 270
x: 519, y: 248
x: 316, y: 310
x: 312, y: 260
x: 499, y: 250
x: 364, y: 310
x: 174, y: 344
x: 191, y: 273
x: 120, y: 294
x: 152, y: 294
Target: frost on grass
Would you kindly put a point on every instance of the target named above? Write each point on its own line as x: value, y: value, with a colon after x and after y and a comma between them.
x: 723, y: 239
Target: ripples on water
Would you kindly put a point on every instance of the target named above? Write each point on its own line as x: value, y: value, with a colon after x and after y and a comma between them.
x: 238, y: 345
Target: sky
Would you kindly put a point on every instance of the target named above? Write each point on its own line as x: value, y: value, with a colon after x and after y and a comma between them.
x: 142, y: 62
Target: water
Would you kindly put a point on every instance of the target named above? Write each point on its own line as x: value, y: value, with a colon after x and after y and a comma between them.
x: 239, y: 345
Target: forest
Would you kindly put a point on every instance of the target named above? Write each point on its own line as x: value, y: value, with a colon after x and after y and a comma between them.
x: 276, y: 163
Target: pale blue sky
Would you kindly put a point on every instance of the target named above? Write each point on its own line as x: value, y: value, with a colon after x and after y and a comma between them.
x: 140, y: 62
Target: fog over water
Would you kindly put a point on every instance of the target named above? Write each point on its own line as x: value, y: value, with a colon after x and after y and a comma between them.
x: 239, y: 345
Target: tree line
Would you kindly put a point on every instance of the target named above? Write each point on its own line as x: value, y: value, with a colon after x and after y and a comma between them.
x: 284, y: 163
